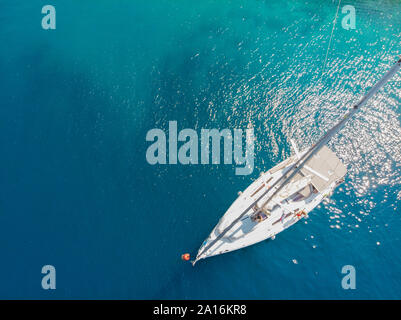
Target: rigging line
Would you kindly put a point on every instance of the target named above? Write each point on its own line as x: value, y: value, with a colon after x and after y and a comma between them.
x: 326, y: 57
x: 304, y: 93
x: 294, y: 168
x: 331, y: 37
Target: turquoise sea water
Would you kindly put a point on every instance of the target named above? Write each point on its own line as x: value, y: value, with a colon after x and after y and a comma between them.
x: 76, y: 103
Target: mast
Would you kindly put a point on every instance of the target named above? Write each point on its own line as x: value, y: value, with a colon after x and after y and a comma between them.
x: 326, y: 138
x: 284, y: 179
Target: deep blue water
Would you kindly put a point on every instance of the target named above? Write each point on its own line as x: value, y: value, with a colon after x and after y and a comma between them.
x: 76, y: 103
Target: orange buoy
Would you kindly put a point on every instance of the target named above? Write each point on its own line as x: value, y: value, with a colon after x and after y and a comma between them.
x: 186, y: 256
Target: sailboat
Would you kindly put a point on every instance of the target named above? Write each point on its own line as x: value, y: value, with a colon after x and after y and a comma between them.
x: 286, y: 193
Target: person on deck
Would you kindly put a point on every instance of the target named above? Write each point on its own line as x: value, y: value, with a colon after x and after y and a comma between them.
x: 259, y: 217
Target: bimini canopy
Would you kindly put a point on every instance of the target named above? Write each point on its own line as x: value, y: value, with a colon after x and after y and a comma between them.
x: 327, y: 165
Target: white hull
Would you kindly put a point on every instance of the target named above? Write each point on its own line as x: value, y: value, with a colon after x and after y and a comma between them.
x: 284, y: 194
x: 291, y: 205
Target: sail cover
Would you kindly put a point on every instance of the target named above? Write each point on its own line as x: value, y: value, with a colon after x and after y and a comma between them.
x: 326, y: 163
